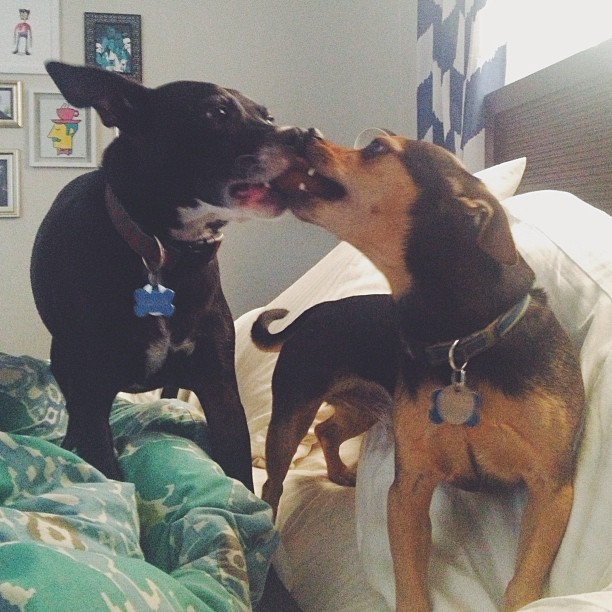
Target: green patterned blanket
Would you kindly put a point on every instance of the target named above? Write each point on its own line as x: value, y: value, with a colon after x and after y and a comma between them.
x: 176, y: 535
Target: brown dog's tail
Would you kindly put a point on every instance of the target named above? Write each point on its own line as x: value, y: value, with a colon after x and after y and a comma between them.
x: 262, y: 338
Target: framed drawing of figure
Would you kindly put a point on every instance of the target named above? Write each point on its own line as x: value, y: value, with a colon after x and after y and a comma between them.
x: 29, y: 35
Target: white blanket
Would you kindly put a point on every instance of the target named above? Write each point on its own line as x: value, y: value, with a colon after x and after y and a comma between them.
x: 335, y: 553
x: 569, y: 245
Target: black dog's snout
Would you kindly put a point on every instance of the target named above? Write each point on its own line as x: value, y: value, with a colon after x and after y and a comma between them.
x: 315, y: 133
x: 297, y: 138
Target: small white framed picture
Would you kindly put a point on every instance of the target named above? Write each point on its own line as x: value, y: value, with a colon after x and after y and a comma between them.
x: 10, y: 104
x: 9, y: 183
x: 29, y: 35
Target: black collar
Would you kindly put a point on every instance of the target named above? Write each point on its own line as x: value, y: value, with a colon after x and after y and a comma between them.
x: 463, y: 349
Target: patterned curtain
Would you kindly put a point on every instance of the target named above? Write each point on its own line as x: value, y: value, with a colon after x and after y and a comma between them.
x: 460, y: 60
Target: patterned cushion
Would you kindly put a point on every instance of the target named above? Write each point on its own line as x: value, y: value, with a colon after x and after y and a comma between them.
x: 31, y: 402
x: 206, y: 539
x: 194, y: 519
x: 58, y: 512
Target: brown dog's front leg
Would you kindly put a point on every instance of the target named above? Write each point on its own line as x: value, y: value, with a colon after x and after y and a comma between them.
x: 542, y: 528
x: 410, y: 536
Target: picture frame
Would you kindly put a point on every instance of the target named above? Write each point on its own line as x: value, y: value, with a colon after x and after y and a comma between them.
x: 11, y: 104
x: 28, y: 36
x: 60, y: 135
x: 113, y: 42
x: 9, y: 183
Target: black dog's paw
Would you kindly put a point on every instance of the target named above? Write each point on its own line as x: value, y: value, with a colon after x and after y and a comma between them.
x: 104, y: 461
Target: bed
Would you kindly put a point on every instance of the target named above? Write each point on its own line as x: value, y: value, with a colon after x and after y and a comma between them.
x: 179, y: 535
x: 561, y: 119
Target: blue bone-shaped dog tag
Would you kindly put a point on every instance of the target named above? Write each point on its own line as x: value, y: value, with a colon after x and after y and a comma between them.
x: 154, y: 300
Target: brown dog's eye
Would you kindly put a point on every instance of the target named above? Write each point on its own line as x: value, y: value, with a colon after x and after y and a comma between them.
x: 375, y: 148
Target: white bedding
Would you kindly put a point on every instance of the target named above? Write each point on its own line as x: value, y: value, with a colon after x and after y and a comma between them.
x: 335, y: 554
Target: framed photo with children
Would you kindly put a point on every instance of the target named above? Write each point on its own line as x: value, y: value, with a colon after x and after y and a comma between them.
x: 113, y: 42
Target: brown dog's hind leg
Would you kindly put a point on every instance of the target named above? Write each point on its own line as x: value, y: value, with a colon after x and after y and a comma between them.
x: 357, y: 405
x: 542, y: 528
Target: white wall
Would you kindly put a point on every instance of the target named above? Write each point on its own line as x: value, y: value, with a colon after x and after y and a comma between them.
x: 340, y: 66
x: 552, y: 32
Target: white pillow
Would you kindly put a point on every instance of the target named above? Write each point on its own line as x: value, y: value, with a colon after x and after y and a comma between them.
x: 503, y: 179
x: 343, y: 272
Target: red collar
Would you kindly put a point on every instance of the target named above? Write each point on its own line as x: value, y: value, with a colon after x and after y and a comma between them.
x: 155, y: 255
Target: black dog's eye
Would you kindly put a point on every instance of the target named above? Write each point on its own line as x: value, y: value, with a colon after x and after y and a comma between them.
x: 270, y: 119
x: 219, y: 113
x: 375, y: 148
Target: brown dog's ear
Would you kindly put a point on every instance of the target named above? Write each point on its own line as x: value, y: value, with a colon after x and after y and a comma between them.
x: 494, y: 237
x: 120, y: 102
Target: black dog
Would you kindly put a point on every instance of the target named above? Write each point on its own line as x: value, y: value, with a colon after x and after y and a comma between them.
x: 182, y: 166
x: 344, y: 352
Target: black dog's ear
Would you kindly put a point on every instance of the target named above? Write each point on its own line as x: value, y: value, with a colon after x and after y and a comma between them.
x: 120, y: 102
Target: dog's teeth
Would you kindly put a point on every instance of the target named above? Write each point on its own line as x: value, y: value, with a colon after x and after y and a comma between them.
x: 311, y: 172
x: 302, y: 187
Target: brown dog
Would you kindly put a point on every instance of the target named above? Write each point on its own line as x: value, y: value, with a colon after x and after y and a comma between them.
x: 489, y: 392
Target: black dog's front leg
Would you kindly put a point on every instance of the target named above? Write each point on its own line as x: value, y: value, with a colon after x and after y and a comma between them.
x: 213, y: 379
x: 89, y: 435
x: 89, y: 399
x: 230, y: 441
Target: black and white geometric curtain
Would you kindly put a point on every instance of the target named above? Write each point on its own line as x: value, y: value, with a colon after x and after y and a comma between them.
x: 460, y: 60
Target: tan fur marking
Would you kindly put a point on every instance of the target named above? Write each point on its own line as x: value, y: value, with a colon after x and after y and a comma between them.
x: 381, y: 221
x: 507, y: 444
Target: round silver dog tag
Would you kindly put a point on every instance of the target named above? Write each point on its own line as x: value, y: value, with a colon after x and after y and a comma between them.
x: 457, y: 405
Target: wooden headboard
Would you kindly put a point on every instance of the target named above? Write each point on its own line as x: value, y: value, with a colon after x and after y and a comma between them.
x: 560, y: 119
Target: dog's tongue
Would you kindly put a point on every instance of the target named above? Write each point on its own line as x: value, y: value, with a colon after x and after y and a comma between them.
x: 258, y: 199
x: 250, y: 193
